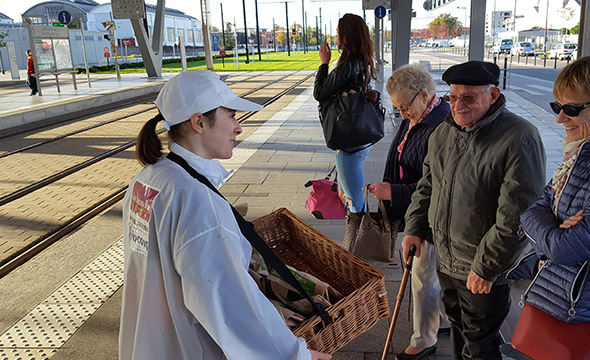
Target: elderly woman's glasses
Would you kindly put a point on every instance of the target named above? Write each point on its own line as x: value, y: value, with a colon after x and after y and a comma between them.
x: 409, y: 106
x: 467, y: 99
x: 568, y: 109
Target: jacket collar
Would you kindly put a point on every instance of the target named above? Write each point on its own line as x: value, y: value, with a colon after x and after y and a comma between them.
x: 213, y: 170
x: 492, y: 114
x: 432, y: 119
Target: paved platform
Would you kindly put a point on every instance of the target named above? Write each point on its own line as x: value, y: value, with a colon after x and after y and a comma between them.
x: 272, y: 165
x: 19, y: 110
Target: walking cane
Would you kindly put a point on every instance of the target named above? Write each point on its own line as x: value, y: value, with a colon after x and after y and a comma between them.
x: 400, y: 296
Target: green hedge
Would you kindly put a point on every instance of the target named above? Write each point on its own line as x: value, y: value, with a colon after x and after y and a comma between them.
x: 139, y: 64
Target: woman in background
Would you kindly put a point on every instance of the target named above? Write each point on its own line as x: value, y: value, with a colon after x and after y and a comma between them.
x: 353, y: 69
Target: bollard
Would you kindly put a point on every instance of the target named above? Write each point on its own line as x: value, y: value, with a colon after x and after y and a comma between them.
x: 526, y: 59
x: 494, y: 58
x: 505, y: 66
x: 535, y: 59
x: 544, y: 58
x: 555, y: 63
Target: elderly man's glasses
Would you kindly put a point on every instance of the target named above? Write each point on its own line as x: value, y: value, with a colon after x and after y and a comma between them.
x: 467, y: 99
x: 405, y: 109
x: 568, y: 109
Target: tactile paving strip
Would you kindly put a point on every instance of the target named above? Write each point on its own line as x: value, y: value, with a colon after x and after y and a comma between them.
x: 40, y: 333
x: 87, y: 287
x: 47, y: 326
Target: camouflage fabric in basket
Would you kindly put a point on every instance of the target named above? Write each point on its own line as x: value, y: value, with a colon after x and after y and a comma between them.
x: 363, y: 286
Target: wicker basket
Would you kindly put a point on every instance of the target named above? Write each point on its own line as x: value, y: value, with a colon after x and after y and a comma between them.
x: 306, y: 249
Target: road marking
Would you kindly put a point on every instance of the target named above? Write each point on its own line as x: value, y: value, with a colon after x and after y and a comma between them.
x: 543, y: 88
x: 516, y: 88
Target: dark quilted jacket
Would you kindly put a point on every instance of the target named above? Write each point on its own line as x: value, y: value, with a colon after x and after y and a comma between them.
x: 411, y: 162
x: 566, y: 247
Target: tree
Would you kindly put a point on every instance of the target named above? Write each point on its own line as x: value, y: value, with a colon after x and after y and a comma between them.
x: 281, y: 37
x: 575, y: 30
x: 229, y: 36
x: 445, y: 26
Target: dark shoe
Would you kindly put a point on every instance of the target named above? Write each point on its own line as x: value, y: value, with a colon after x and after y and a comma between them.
x: 421, y: 355
x: 353, y: 220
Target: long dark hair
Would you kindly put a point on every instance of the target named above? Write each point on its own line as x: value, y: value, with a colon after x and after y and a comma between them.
x: 354, y: 39
x: 148, y: 149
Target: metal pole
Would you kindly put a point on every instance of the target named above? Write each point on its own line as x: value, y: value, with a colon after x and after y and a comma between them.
x: 317, y: 33
x: 246, y: 31
x: 84, y: 51
x: 257, y: 30
x: 321, y: 38
x: 237, y: 61
x: 274, y: 36
x: 545, y: 45
x: 115, y: 51
x: 287, y: 16
x: 223, y: 34
x: 303, y: 25
x: 505, y: 66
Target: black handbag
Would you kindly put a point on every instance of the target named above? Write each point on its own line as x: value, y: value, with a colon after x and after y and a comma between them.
x: 349, y: 119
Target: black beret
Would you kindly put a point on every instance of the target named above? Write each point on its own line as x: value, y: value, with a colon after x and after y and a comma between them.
x: 472, y: 73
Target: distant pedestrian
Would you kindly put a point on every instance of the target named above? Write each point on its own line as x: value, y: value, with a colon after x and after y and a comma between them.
x: 353, y: 69
x: 31, y: 80
x: 485, y: 165
x: 187, y: 292
x: 412, y: 92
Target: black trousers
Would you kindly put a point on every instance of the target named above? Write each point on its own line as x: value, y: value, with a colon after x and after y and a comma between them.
x: 475, y: 318
x: 32, y: 82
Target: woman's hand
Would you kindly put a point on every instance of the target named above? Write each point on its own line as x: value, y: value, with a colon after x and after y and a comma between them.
x: 325, y: 53
x: 316, y: 355
x: 572, y: 220
x: 380, y: 190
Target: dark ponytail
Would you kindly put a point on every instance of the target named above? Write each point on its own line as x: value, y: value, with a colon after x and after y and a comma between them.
x: 148, y: 149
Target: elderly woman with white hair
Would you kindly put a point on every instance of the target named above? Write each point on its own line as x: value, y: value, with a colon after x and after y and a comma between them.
x: 412, y: 92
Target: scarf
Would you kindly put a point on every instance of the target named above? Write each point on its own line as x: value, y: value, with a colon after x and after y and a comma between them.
x: 433, y: 103
x: 562, y: 173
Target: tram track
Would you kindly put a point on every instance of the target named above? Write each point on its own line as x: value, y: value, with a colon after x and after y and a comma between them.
x: 70, y: 223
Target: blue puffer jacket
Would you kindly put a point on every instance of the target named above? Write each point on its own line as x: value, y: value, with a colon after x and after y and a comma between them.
x: 565, y: 248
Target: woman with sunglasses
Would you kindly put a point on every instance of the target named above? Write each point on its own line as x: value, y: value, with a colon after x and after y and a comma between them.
x: 412, y: 92
x: 558, y: 226
x: 353, y: 69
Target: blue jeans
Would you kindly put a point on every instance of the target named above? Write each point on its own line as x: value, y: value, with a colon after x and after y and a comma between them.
x: 351, y: 176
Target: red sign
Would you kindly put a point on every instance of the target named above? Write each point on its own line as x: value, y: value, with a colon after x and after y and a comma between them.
x: 107, y: 54
x: 222, y: 52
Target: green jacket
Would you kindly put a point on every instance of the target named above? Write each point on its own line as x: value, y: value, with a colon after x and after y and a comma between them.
x: 476, y: 182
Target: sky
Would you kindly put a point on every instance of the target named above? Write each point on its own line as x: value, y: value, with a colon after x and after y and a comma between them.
x: 331, y: 11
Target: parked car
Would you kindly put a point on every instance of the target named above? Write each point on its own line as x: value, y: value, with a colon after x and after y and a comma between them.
x: 575, y: 54
x: 502, y: 46
x: 523, y: 48
x: 562, y: 51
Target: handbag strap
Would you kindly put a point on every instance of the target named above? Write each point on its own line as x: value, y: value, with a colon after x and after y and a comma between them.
x: 380, y: 204
x: 257, y: 242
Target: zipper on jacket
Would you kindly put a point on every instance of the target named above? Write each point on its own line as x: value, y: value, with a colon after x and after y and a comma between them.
x: 525, y: 293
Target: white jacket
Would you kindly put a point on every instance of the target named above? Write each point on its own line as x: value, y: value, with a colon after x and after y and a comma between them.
x: 187, y: 293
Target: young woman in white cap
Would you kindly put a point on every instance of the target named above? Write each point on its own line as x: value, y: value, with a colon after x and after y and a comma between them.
x: 187, y: 292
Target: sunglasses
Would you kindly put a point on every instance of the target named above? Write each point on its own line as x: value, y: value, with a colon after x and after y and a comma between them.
x: 467, y: 99
x: 568, y: 109
x: 409, y: 106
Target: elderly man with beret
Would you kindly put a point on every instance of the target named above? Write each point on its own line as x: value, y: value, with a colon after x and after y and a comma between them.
x: 485, y: 165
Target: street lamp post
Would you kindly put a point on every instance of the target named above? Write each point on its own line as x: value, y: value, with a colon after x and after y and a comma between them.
x: 464, y: 24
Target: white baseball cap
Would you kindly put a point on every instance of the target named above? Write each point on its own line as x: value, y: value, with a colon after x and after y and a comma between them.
x: 199, y: 91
